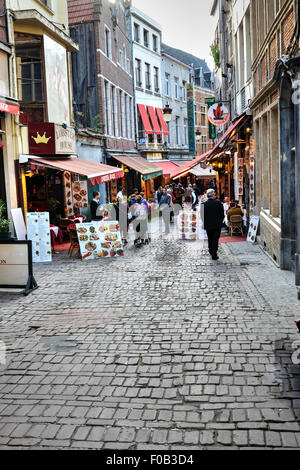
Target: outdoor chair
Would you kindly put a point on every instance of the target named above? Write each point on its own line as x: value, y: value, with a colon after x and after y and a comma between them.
x: 235, y: 225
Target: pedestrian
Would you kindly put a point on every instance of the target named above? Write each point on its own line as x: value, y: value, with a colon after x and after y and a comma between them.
x: 226, y: 205
x: 213, y: 220
x: 122, y: 212
x: 140, y: 221
x: 145, y: 202
x: 96, y: 208
x: 158, y: 195
x: 132, y: 198
x: 234, y: 209
x: 165, y: 209
x: 188, y: 195
x: 195, y: 199
x: 120, y: 195
x: 170, y: 192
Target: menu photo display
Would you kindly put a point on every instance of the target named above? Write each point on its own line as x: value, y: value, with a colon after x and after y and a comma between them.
x: 98, y: 240
x: 188, y: 222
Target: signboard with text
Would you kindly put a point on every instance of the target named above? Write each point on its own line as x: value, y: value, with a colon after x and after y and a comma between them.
x: 47, y: 138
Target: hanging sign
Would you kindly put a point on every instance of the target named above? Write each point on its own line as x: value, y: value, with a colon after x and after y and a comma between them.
x: 251, y: 184
x: 16, y: 270
x: 218, y: 114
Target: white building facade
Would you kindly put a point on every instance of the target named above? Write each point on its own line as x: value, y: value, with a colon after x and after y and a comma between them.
x: 145, y: 35
x: 175, y: 77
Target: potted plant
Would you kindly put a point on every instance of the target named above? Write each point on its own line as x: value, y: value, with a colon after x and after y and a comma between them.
x: 5, y: 234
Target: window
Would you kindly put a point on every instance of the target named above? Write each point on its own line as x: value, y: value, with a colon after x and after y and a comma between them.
x: 121, y: 55
x: 136, y: 34
x: 176, y: 88
x: 167, y: 84
x: 128, y: 66
x: 147, y: 76
x: 185, y: 128
x: 138, y: 73
x: 127, y: 123
x: 107, y: 43
x: 146, y: 38
x: 155, y: 43
x: 123, y: 64
x: 131, y: 117
x: 121, y: 113
x: 156, y: 79
x: 177, y: 130
x: 30, y: 73
x: 184, y: 91
x: 203, y: 116
x: 107, y: 108
x: 114, y: 111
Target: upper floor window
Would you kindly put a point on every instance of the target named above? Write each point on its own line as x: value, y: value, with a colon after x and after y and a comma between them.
x: 176, y: 88
x: 147, y: 76
x: 184, y: 91
x: 136, y: 28
x: 167, y: 84
x: 156, y: 79
x: 146, y: 38
x: 155, y: 43
x: 138, y: 72
x: 107, y: 42
x: 124, y: 62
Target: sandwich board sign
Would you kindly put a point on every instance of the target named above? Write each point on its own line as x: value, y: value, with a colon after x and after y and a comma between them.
x: 16, y: 271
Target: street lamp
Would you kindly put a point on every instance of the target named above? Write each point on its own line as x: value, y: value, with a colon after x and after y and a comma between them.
x: 198, y: 135
x: 167, y: 113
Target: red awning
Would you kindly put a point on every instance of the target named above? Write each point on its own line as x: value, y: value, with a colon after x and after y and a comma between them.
x: 227, y: 134
x: 154, y: 120
x: 97, y: 173
x: 168, y: 168
x: 189, y: 165
x: 162, y: 121
x: 145, y: 119
x: 9, y: 108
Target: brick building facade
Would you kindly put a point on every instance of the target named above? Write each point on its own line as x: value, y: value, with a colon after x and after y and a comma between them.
x: 112, y: 56
x: 272, y: 28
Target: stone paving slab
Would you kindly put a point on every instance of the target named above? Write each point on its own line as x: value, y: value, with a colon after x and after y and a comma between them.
x: 161, y: 349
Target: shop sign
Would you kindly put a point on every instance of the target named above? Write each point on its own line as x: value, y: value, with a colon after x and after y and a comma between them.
x: 16, y: 270
x: 218, y: 114
x: 47, y: 138
x: 191, y: 126
x: 98, y: 240
x: 9, y: 108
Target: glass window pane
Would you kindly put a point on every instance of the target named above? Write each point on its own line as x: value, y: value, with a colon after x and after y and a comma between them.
x: 26, y: 71
x: 26, y: 91
x: 37, y: 71
x: 38, y: 91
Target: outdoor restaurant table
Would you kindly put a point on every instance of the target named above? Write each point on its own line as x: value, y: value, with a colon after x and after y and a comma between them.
x: 56, y: 235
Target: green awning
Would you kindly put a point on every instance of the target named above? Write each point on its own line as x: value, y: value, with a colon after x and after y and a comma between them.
x: 147, y: 169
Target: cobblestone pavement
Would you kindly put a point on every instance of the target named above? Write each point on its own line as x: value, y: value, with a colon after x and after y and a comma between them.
x: 164, y: 349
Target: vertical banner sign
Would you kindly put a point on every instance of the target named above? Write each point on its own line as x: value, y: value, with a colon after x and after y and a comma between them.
x: 238, y: 176
x: 191, y: 117
x: 251, y: 183
x: 38, y: 231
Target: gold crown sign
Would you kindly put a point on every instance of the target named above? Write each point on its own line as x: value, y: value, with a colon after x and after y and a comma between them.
x: 41, y: 139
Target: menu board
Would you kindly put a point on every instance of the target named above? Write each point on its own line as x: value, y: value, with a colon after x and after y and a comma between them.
x: 238, y: 176
x: 100, y: 240
x: 68, y: 193
x: 251, y: 183
x: 188, y: 223
x: 80, y: 195
x: 38, y: 231
x: 253, y: 227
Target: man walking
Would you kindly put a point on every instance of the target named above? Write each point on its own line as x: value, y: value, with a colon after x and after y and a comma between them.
x: 165, y: 209
x: 213, y: 220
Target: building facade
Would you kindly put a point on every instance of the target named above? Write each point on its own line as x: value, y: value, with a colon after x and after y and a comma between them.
x: 103, y: 82
x: 145, y: 35
x: 272, y: 28
x: 176, y: 76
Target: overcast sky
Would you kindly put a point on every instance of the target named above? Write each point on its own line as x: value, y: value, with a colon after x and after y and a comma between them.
x: 186, y: 24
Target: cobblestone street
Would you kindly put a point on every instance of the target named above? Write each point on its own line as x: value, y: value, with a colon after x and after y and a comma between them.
x: 163, y: 349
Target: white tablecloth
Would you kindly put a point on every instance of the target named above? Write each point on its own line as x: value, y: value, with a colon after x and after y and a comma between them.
x: 55, y: 230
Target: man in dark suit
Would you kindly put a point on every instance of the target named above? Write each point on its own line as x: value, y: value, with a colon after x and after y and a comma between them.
x: 213, y: 220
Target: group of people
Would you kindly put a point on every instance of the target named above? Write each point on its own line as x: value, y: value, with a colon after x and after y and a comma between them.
x: 136, y: 209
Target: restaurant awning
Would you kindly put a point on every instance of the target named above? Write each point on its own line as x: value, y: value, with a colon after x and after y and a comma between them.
x: 147, y: 169
x: 145, y: 118
x: 188, y: 166
x: 168, y: 168
x: 226, y: 136
x: 183, y: 170
x: 162, y: 121
x: 9, y: 106
x: 154, y: 120
x: 97, y: 173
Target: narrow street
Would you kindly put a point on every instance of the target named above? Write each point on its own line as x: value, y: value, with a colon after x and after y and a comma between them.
x: 162, y: 349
